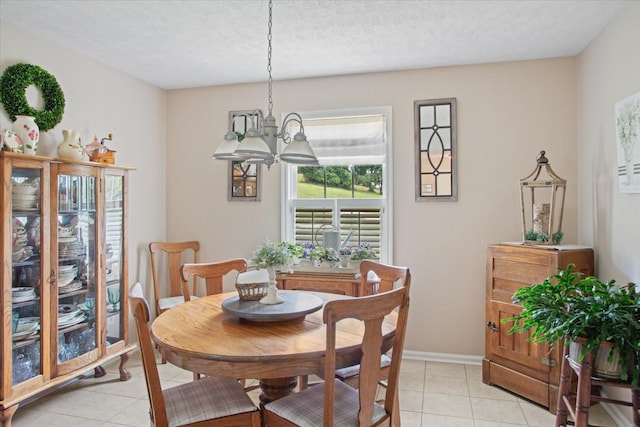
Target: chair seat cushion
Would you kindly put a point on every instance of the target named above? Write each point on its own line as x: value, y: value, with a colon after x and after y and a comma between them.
x: 352, y: 371
x: 200, y: 400
x: 305, y: 409
x: 169, y: 302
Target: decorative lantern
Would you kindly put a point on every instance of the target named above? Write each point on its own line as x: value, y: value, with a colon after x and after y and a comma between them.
x: 542, y: 206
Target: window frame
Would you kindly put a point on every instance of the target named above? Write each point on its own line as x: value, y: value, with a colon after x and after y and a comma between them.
x: 385, y: 203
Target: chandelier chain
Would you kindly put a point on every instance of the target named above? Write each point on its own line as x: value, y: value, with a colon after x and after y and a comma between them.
x: 269, y: 58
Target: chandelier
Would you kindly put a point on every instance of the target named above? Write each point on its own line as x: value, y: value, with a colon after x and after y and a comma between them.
x: 260, y: 142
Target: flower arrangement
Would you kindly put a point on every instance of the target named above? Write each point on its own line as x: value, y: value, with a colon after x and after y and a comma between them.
x: 296, y: 251
x: 364, y: 251
x: 324, y: 254
x: 271, y: 254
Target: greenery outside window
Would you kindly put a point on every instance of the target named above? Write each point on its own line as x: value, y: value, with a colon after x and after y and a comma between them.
x: 349, y: 191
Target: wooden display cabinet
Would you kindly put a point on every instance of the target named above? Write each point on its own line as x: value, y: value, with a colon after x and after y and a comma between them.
x: 64, y: 275
x: 511, y: 362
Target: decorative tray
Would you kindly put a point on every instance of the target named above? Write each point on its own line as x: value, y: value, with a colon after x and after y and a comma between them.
x: 296, y: 305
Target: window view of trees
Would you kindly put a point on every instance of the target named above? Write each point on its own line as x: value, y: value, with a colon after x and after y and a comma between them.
x: 357, y: 179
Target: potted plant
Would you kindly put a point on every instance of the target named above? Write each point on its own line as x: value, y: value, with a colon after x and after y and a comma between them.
x: 590, y: 315
x: 320, y: 254
x: 271, y: 255
x: 296, y: 251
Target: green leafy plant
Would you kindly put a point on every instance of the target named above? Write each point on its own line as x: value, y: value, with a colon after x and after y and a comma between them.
x: 295, y: 250
x: 271, y: 254
x: 13, y: 85
x: 534, y: 236
x: 569, y: 306
x: 363, y: 251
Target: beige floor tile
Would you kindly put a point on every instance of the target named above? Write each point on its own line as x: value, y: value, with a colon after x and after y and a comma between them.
x: 412, y: 366
x: 474, y: 372
x: 446, y: 369
x: 432, y: 420
x: 536, y: 415
x: 446, y: 385
x: 480, y: 389
x: 28, y: 417
x: 446, y: 404
x: 497, y: 410
x: 411, y: 400
x: 136, y: 415
x: 482, y: 423
x: 410, y: 419
x: 411, y: 381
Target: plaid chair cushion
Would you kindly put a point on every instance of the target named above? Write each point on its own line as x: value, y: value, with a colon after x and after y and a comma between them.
x: 210, y: 397
x: 168, y: 302
x: 351, y: 371
x: 305, y: 408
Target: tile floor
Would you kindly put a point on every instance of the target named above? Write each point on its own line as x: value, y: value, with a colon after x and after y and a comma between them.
x: 431, y: 395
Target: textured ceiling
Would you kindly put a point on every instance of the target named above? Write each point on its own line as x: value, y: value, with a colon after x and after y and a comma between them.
x: 180, y: 44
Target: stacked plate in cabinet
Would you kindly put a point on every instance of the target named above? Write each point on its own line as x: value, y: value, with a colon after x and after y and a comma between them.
x: 24, y: 195
x: 69, y: 247
x: 20, y: 248
x: 27, y: 327
x: 69, y: 314
x: 22, y: 294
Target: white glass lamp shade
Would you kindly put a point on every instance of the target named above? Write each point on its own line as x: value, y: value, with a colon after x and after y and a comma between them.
x: 226, y: 149
x: 253, y: 147
x: 299, y: 151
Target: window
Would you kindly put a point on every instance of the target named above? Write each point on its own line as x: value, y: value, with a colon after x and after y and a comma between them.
x: 350, y: 189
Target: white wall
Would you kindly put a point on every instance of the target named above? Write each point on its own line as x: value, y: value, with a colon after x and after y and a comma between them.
x: 608, y: 71
x: 99, y: 101
x: 507, y: 113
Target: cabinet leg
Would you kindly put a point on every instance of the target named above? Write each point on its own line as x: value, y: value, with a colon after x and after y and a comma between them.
x: 99, y: 371
x: 124, y: 374
x: 6, y: 414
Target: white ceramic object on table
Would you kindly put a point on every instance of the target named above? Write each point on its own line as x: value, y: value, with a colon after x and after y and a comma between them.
x: 70, y: 147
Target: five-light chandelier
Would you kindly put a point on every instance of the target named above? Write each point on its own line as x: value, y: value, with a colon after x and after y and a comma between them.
x: 260, y: 144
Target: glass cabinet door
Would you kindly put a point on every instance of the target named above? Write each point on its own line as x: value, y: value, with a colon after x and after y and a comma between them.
x: 115, y: 289
x: 27, y: 287
x: 77, y: 279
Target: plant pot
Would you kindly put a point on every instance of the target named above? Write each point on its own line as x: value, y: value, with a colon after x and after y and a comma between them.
x: 601, y: 365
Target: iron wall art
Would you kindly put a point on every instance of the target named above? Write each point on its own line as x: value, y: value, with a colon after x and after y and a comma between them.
x: 435, y: 149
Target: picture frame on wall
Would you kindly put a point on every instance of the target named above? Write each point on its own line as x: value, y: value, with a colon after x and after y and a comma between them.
x: 627, y: 123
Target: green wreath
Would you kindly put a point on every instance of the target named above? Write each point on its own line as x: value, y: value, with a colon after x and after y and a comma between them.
x: 13, y: 85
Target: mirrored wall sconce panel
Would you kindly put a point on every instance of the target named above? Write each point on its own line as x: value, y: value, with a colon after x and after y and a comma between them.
x: 435, y: 149
x: 244, y: 177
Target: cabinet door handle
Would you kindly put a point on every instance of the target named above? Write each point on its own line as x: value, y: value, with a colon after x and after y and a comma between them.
x: 492, y: 326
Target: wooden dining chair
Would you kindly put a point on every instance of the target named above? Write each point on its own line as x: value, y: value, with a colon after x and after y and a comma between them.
x: 176, y: 253
x: 213, y: 274
x: 209, y: 402
x: 334, y: 403
x: 374, y: 278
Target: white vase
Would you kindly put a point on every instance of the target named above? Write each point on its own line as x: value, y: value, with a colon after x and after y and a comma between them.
x: 27, y: 129
x: 272, y: 296
x: 70, y: 147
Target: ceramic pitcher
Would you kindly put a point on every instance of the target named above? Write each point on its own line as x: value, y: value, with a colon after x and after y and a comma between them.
x: 70, y: 147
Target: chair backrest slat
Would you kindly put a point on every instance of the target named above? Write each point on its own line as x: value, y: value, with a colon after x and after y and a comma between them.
x: 212, y: 273
x: 176, y: 252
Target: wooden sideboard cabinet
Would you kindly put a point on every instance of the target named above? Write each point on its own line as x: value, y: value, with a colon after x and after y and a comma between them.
x: 511, y: 362
x: 345, y: 281
x: 64, y: 274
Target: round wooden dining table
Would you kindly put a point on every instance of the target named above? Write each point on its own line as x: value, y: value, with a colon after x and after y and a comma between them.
x: 201, y: 337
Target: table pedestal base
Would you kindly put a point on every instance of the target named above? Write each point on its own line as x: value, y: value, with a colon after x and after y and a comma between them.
x: 276, y: 388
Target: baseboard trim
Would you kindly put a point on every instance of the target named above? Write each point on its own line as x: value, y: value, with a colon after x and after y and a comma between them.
x: 442, y: 357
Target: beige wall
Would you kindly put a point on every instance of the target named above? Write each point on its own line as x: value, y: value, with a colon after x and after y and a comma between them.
x: 506, y: 114
x: 99, y: 101
x: 608, y: 71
